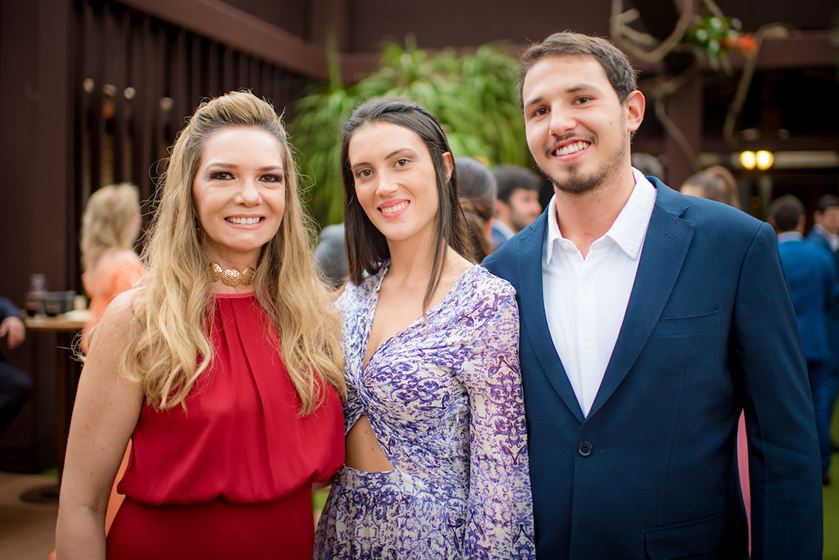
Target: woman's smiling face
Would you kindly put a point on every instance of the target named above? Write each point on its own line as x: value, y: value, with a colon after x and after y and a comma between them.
x: 239, y: 193
x: 395, y: 180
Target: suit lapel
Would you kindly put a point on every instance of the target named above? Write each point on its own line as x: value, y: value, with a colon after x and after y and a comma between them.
x: 665, y: 247
x: 534, y: 324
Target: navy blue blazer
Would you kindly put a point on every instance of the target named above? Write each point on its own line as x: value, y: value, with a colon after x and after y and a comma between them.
x: 811, y: 277
x: 816, y: 237
x: 652, y: 471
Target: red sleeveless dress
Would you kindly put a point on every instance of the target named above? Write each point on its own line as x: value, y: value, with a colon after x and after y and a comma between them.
x: 231, y: 476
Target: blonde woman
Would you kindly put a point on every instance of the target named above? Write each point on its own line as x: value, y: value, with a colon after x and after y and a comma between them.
x: 110, y: 226
x: 224, y: 368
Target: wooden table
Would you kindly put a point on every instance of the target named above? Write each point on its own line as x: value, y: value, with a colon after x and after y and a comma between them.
x: 68, y: 369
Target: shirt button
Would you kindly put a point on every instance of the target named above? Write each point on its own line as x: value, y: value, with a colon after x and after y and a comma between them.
x: 584, y: 448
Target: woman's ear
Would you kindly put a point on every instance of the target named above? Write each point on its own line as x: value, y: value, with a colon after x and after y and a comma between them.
x: 448, y: 161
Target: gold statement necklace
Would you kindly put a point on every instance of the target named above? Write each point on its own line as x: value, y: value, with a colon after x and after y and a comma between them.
x: 231, y: 276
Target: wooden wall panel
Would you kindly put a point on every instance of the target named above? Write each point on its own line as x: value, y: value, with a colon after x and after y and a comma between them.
x: 467, y: 23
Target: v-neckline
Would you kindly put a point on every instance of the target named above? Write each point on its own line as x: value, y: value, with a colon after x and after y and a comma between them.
x: 371, y: 315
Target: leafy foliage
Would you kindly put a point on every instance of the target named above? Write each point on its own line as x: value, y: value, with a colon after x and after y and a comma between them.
x: 475, y: 96
x: 712, y: 36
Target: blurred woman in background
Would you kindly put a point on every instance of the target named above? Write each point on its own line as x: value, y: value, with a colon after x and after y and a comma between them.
x: 714, y: 183
x: 477, y: 196
x: 110, y: 226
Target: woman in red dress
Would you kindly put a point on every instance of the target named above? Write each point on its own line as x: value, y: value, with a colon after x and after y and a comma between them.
x: 223, y: 367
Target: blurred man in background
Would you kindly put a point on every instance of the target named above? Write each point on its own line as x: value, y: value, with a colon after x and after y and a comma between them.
x: 518, y: 201
x: 15, y: 385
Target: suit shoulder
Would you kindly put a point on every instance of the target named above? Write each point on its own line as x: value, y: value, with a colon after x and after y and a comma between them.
x: 716, y: 219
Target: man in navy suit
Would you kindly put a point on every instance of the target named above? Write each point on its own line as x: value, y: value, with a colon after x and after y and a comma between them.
x: 15, y: 385
x: 649, y: 320
x: 825, y: 384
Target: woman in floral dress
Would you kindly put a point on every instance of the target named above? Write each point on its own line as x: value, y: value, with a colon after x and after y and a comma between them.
x: 436, y: 448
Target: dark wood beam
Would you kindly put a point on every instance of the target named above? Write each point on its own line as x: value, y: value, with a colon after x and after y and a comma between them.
x: 239, y: 30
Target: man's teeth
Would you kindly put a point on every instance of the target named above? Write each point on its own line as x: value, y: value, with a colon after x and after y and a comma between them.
x: 244, y: 221
x: 571, y: 148
x: 394, y: 209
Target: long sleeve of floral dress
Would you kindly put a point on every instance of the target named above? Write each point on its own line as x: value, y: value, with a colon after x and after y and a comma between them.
x: 499, y: 511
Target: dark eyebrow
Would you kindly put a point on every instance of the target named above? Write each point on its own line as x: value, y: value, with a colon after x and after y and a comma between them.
x: 533, y: 101
x: 234, y: 166
x: 390, y: 155
x: 571, y: 89
x: 578, y: 87
x: 394, y: 152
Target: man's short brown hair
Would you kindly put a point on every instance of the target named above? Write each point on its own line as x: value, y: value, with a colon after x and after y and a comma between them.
x: 619, y: 70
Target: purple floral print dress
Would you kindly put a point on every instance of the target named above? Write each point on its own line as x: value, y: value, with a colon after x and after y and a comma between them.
x: 444, y: 399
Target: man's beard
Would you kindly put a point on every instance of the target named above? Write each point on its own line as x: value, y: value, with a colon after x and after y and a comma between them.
x: 578, y: 184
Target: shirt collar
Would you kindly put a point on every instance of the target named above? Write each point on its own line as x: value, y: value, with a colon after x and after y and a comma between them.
x: 789, y: 236
x: 628, y: 230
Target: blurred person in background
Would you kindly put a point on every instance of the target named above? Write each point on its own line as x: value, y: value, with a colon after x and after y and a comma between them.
x: 518, y: 201
x: 825, y: 230
x: 477, y: 195
x: 825, y: 233
x: 714, y: 183
x: 331, y: 255
x: 110, y: 226
x: 223, y: 366
x: 15, y: 385
x: 648, y: 165
x: 811, y: 276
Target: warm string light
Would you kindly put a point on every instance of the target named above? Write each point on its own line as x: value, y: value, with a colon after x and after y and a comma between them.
x: 761, y: 160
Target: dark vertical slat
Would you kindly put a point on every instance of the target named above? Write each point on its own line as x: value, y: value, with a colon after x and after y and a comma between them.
x: 180, y: 83
x: 141, y: 116
x: 78, y: 193
x: 212, y: 61
x: 198, y: 79
x: 254, y: 77
x: 242, y: 66
x: 116, y: 32
x: 157, y: 69
x: 265, y: 86
x: 94, y: 65
x: 229, y: 72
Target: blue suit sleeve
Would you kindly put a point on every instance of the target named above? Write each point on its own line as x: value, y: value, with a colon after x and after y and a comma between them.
x: 8, y: 309
x: 784, y: 465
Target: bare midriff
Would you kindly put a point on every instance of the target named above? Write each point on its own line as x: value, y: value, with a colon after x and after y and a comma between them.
x: 363, y: 451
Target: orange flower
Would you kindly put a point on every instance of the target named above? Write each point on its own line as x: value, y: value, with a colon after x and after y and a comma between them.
x: 747, y: 44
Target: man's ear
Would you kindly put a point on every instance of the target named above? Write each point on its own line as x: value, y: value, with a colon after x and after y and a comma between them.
x: 635, y: 104
x: 448, y: 161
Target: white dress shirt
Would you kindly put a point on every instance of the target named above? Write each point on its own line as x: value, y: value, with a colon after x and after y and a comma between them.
x: 586, y: 298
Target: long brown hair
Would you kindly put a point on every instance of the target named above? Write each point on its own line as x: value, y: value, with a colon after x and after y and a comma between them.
x: 367, y: 248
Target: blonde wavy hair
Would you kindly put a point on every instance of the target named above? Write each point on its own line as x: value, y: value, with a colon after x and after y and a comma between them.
x: 109, y: 222
x: 172, y: 348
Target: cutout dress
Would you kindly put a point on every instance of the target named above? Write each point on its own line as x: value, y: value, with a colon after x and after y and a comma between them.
x: 444, y: 399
